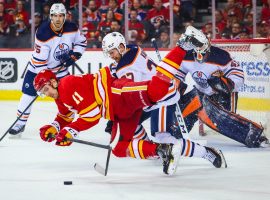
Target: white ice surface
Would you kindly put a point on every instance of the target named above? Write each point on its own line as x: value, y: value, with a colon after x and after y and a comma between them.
x: 31, y: 169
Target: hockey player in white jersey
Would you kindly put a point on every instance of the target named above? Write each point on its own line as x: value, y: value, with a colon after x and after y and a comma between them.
x: 217, y: 80
x: 58, y: 44
x: 132, y: 62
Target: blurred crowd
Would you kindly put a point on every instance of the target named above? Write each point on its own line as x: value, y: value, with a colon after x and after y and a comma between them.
x: 146, y: 19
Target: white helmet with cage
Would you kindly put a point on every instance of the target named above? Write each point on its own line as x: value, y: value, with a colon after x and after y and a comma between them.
x: 113, y: 41
x: 203, y: 45
x: 58, y: 8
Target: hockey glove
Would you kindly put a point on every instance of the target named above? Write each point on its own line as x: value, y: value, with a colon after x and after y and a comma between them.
x: 64, y: 137
x: 220, y: 83
x: 70, y: 58
x: 48, y: 132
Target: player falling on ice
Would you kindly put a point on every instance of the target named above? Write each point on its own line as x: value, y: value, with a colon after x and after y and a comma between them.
x: 132, y: 62
x: 98, y: 95
x: 213, y: 100
x: 58, y: 44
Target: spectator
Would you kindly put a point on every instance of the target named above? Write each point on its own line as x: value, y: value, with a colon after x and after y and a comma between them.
x: 115, y: 26
x: 265, y: 13
x: 46, y: 12
x: 3, y: 28
x: 37, y: 20
x: 220, y: 23
x: 158, y: 15
x: 145, y: 5
x: 88, y: 29
x: 248, y: 23
x: 10, y: 6
x: 117, y: 12
x: 137, y: 33
x: 236, y: 30
x: 104, y: 27
x: 263, y: 29
x: 141, y: 14
x: 232, y: 7
x: 176, y: 37
x: 7, y: 18
x: 21, y: 13
x: 244, y: 34
x: 164, y: 38
x: 207, y: 30
x: 92, y: 12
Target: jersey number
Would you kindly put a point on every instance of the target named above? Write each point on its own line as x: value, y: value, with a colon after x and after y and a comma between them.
x: 37, y: 48
x: 77, y: 98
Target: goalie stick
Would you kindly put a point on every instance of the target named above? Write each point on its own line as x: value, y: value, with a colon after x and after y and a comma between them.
x: 178, y: 113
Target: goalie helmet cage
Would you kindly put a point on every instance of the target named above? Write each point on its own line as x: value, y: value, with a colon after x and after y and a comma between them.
x: 254, y: 96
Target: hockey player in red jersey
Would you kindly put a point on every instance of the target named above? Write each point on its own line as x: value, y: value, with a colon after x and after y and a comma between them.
x: 213, y: 100
x: 58, y: 44
x: 98, y: 95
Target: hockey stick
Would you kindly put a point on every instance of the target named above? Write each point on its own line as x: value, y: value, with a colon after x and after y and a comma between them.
x: 112, y: 144
x: 178, y: 113
x: 25, y: 110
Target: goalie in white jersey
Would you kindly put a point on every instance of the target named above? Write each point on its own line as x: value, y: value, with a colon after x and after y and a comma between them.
x: 58, y: 44
x: 214, y: 98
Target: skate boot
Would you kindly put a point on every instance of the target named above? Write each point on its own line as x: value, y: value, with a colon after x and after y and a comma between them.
x: 253, y: 138
x: 264, y: 141
x: 17, y: 129
x: 170, y: 155
x: 216, y: 157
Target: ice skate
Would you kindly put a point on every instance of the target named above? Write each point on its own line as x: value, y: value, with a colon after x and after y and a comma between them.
x: 170, y: 155
x: 16, y: 129
x: 216, y: 157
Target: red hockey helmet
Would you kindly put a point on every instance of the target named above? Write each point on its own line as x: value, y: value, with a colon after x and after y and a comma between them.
x: 43, y: 78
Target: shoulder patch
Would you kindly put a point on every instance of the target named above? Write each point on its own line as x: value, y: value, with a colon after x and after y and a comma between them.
x: 44, y: 32
x: 70, y: 27
x: 130, y: 55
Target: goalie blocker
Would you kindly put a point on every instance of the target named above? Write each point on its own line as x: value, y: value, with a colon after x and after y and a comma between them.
x: 195, y: 105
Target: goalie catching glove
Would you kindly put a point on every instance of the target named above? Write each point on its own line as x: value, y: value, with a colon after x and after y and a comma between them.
x: 48, y: 132
x: 220, y: 83
x: 65, y: 136
x: 70, y: 58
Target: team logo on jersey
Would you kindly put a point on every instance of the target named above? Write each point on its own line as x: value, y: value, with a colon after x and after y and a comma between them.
x: 60, y: 50
x: 200, y: 78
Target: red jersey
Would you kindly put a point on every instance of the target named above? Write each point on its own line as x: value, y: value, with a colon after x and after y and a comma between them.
x: 87, y: 95
x: 155, y: 15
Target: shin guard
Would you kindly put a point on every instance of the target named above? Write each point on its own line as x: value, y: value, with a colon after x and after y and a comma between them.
x: 230, y: 124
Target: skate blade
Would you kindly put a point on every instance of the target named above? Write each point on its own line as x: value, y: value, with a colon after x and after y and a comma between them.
x: 224, y: 163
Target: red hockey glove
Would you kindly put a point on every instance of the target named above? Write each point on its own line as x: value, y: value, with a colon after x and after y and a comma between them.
x: 48, y: 132
x: 220, y: 83
x: 64, y: 136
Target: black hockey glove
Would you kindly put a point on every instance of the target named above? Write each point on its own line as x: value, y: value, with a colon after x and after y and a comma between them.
x: 220, y: 83
x: 70, y: 58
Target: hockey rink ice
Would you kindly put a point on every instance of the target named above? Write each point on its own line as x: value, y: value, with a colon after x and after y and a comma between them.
x: 31, y: 169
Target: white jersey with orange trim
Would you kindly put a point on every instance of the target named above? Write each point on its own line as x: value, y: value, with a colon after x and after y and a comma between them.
x: 136, y: 65
x: 51, y: 45
x: 218, y: 59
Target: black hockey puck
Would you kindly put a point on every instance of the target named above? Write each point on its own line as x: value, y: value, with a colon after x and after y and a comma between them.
x: 67, y: 182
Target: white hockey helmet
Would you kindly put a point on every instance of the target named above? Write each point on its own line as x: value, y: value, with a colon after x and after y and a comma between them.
x: 203, y: 45
x: 113, y: 41
x: 58, y: 8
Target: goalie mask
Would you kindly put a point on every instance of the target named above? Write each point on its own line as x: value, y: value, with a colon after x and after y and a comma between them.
x: 113, y: 41
x: 202, y: 49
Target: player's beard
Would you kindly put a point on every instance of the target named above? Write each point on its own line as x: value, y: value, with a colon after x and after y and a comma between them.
x: 58, y: 25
